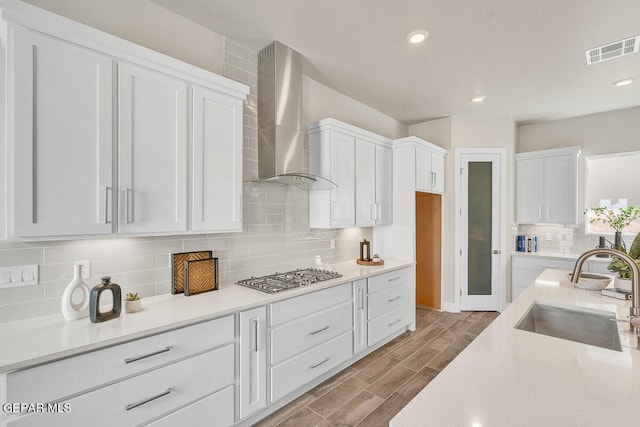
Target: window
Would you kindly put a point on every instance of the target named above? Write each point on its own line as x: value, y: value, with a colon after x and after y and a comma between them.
x: 612, y: 180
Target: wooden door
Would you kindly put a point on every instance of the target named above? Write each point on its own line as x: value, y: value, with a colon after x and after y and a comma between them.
x: 428, y: 249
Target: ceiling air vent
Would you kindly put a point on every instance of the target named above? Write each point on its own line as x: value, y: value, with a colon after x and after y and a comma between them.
x: 613, y: 50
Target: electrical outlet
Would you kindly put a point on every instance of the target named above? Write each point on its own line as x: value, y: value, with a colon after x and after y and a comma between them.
x: 86, y: 268
x: 333, y: 243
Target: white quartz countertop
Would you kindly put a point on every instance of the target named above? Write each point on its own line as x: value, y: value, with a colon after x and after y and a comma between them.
x: 509, y: 377
x: 44, y: 339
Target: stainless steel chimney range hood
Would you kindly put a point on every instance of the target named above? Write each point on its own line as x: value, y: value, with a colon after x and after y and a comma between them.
x: 280, y: 132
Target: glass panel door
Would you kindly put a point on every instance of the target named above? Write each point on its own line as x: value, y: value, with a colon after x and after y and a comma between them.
x: 480, y: 255
x: 480, y: 227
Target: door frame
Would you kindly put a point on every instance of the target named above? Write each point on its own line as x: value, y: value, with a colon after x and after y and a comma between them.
x: 502, y: 241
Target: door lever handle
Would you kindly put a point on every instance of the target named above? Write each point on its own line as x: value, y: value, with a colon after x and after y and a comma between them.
x: 496, y: 252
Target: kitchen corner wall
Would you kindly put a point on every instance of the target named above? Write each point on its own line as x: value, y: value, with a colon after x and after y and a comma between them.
x: 603, y: 133
x: 275, y: 236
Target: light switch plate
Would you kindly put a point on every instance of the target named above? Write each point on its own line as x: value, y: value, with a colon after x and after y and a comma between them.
x: 19, y: 275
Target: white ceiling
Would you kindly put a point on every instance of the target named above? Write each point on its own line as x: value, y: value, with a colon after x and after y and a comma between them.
x: 526, y: 56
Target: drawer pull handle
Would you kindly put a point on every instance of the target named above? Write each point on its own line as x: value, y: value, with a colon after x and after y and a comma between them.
x: 131, y: 406
x: 549, y: 265
x: 395, y: 278
x: 315, y: 365
x: 324, y: 328
x: 144, y: 356
x: 394, y: 322
x: 394, y: 299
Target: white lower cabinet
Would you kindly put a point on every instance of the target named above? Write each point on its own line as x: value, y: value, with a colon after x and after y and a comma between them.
x: 360, y: 316
x: 169, y: 381
x: 310, y: 335
x: 390, y: 304
x: 526, y: 268
x: 211, y: 411
x: 253, y: 361
x: 221, y: 372
x: 303, y: 368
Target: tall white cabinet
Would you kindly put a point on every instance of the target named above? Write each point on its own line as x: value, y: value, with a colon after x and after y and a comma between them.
x: 418, y: 165
x: 547, y: 186
x: 360, y: 163
x: 107, y: 137
x: 60, y: 105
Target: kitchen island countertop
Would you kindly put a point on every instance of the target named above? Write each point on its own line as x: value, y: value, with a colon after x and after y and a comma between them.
x: 510, y: 377
x: 44, y: 339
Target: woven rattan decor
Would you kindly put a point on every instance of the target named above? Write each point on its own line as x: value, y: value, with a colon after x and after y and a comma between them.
x: 177, y: 267
x: 200, y: 276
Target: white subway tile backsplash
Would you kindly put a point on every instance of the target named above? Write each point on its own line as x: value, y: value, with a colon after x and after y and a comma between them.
x: 20, y: 256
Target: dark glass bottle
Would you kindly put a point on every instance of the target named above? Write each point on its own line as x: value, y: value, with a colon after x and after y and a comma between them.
x: 95, y: 314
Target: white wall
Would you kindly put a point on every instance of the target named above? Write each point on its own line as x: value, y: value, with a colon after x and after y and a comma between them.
x: 467, y: 132
x: 326, y: 102
x: 147, y: 24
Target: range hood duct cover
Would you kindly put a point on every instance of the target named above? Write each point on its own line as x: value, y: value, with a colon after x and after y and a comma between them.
x: 281, y: 156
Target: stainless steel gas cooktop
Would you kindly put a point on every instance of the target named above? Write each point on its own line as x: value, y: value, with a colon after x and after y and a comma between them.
x: 293, y: 279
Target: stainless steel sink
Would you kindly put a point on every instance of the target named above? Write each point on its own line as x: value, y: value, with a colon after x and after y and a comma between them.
x: 578, y: 324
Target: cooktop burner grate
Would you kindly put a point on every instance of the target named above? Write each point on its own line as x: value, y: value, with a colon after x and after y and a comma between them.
x: 292, y: 279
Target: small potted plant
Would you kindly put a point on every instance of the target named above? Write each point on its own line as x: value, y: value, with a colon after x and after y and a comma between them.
x: 376, y: 258
x: 623, y: 280
x: 132, y: 302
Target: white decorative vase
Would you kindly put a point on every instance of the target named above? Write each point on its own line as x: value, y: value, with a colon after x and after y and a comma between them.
x: 79, y: 309
x: 623, y: 284
x: 132, y: 306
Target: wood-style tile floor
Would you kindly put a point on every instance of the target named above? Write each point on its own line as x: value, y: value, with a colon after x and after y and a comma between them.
x: 371, y: 391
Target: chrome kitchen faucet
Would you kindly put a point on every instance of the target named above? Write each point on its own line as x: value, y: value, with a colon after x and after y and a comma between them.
x: 634, y: 311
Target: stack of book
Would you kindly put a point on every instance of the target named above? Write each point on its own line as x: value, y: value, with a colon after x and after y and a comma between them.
x: 616, y: 293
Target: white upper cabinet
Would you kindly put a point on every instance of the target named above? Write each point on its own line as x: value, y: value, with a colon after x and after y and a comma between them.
x: 360, y: 164
x: 384, y: 185
x: 429, y: 171
x: 153, y: 151
x: 176, y: 129
x: 366, y: 208
x: 547, y: 186
x: 332, y: 156
x: 217, y: 161
x: 61, y: 99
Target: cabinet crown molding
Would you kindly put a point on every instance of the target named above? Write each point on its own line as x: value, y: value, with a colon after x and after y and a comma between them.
x: 414, y: 141
x: 34, y: 18
x: 548, y: 153
x: 333, y: 124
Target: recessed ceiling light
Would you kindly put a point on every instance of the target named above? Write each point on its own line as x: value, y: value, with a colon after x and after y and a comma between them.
x: 417, y: 36
x: 623, y: 82
x: 478, y: 99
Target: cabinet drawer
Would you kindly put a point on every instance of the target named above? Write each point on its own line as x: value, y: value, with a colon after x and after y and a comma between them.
x: 392, y: 278
x: 303, y: 334
x: 294, y: 373
x: 53, y: 381
x: 389, y: 323
x: 290, y: 309
x: 542, y: 264
x: 389, y: 299
x: 146, y: 396
x: 215, y: 410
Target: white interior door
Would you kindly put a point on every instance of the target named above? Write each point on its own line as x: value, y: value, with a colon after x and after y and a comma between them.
x: 480, y: 230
